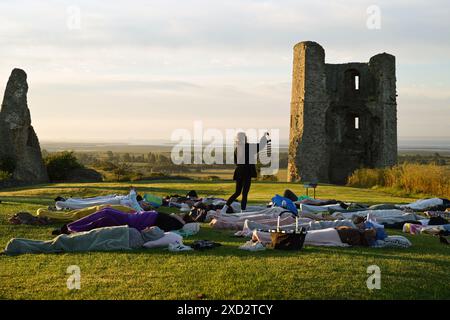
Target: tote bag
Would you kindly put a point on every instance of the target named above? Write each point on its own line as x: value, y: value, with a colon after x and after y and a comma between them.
x: 288, y: 240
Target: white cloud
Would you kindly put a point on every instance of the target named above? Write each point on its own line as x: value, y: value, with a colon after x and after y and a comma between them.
x: 228, y: 62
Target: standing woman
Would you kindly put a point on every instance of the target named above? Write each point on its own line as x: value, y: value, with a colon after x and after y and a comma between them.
x: 245, y: 160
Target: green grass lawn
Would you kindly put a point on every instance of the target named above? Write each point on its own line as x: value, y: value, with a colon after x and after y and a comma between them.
x: 420, y: 272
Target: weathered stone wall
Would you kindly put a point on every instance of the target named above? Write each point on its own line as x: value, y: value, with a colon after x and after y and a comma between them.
x: 307, y: 160
x: 383, y: 69
x: 325, y: 144
x: 18, y: 140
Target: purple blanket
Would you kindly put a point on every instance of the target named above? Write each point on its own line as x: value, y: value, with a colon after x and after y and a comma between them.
x: 109, y: 217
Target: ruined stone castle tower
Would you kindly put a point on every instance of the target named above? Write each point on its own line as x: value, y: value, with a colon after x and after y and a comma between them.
x: 343, y: 116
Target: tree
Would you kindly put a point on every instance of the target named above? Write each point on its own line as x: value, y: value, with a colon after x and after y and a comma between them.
x: 105, y: 165
x: 123, y: 169
x: 126, y: 157
x: 59, y: 164
x: 110, y: 155
x: 162, y: 160
x: 151, y: 158
x: 139, y: 158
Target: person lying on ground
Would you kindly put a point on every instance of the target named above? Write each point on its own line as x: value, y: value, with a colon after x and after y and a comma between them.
x: 101, y: 239
x: 381, y: 216
x: 220, y: 220
x: 338, y: 237
x: 129, y: 200
x: 72, y: 215
x: 430, y: 204
x: 306, y: 199
x: 236, y: 223
x: 290, y: 225
x: 109, y: 217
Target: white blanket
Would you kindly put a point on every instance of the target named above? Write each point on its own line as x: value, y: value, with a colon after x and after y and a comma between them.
x: 326, y: 237
x: 113, y: 199
x: 289, y: 224
x: 380, y: 216
x: 306, y: 208
x: 423, y: 204
x: 236, y: 220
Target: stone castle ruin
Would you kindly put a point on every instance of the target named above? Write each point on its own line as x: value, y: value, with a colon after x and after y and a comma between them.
x: 20, y: 152
x: 343, y: 116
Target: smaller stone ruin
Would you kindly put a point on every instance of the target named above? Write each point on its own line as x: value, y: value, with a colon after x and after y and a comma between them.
x: 20, y: 152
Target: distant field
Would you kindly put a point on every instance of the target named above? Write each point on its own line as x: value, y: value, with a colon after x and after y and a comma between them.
x: 104, y: 147
x: 227, y: 174
x: 420, y: 272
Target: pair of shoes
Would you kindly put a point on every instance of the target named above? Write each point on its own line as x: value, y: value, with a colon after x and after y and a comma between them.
x: 178, y: 247
x: 252, y: 246
x: 204, y: 244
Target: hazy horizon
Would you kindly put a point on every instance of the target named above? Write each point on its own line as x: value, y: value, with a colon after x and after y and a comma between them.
x: 402, y: 141
x: 109, y: 71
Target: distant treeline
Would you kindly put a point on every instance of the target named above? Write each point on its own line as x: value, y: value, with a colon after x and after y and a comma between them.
x: 434, y: 158
x: 124, y: 166
x: 160, y: 160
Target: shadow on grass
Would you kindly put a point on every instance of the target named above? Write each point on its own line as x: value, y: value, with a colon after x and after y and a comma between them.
x: 229, y: 249
x: 13, y: 200
x: 86, y: 189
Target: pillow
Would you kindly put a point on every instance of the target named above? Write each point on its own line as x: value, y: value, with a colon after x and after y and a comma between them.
x: 393, y: 242
x: 193, y: 227
x: 155, y: 201
x: 168, y: 238
x: 152, y: 234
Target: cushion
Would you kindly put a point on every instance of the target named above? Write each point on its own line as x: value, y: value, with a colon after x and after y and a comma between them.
x: 393, y: 242
x: 168, y: 238
x: 192, y: 228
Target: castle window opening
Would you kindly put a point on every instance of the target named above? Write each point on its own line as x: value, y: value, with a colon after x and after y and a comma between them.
x: 356, y: 123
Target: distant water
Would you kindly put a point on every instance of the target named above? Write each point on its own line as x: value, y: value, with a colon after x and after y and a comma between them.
x: 435, y: 145
x: 404, y: 144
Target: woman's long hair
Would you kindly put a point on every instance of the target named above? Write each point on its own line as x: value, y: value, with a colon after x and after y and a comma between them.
x: 240, y: 142
x: 241, y: 138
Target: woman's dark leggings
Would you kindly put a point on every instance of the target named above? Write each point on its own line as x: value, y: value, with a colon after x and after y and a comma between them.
x: 242, y: 185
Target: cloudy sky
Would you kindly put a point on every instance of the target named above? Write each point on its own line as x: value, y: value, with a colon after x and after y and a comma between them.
x: 133, y: 71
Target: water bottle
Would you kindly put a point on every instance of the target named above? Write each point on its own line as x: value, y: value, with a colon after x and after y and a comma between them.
x: 269, y: 145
